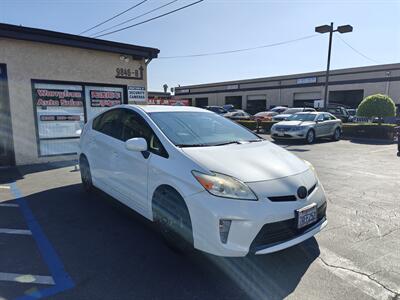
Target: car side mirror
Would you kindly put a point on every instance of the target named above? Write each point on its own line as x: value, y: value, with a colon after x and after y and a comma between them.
x: 136, y: 144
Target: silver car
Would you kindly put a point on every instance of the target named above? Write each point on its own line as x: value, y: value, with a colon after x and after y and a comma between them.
x: 308, y: 126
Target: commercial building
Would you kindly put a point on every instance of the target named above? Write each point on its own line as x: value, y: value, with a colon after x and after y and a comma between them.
x: 346, y: 87
x: 52, y: 82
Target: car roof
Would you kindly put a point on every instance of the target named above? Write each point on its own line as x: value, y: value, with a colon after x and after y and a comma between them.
x: 165, y: 108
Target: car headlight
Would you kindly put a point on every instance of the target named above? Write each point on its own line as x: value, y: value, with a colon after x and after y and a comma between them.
x: 225, y: 186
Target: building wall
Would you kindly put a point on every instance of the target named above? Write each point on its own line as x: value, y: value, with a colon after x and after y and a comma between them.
x: 29, y: 60
x: 281, y: 90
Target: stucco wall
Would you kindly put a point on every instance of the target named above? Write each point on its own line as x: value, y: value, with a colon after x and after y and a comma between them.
x: 29, y: 60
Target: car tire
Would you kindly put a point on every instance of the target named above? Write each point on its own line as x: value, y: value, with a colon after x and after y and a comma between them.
x: 172, y: 218
x: 86, y: 175
x: 310, y: 136
x: 336, y: 134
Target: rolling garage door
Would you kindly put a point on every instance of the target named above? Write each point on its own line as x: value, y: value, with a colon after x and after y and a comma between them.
x: 306, y: 99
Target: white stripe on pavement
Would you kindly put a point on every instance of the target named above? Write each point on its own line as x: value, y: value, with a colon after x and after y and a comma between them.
x: 9, y: 205
x: 5, y: 187
x: 15, y: 231
x: 26, y: 278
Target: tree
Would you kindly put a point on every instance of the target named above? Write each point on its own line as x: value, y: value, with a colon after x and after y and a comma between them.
x: 165, y: 87
x: 377, y: 105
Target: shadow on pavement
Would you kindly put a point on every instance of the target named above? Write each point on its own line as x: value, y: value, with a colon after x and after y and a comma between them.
x: 113, y: 253
x: 371, y: 141
x: 11, y: 174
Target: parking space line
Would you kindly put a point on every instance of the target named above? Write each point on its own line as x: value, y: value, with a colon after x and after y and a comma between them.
x: 15, y: 231
x: 9, y: 205
x: 61, y: 278
x: 5, y: 187
x: 26, y: 278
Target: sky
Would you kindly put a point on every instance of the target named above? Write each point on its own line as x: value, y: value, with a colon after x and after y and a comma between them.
x: 220, y: 25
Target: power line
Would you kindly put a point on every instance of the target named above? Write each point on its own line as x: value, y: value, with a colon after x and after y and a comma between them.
x: 113, y: 17
x: 148, y: 20
x: 240, y: 50
x: 137, y: 17
x: 358, y: 52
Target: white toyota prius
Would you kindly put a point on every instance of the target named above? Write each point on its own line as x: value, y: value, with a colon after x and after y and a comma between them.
x: 206, y: 181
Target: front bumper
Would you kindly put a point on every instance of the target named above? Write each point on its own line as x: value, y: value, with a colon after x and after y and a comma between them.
x: 289, y: 134
x: 249, y: 217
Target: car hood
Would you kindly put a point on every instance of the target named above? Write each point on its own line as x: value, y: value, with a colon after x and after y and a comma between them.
x: 295, y: 123
x: 249, y: 162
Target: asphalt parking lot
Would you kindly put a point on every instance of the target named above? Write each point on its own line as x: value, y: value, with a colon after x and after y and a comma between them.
x: 59, y: 243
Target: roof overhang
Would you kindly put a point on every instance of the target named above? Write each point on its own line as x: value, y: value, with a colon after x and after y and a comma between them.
x: 72, y: 40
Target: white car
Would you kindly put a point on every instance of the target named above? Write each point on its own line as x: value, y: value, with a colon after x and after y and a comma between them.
x: 206, y: 181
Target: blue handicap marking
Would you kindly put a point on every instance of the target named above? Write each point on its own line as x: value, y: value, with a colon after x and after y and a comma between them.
x: 61, y: 278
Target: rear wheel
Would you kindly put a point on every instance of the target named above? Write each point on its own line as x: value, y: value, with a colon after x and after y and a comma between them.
x: 310, y: 137
x: 86, y: 175
x: 172, y: 219
x: 336, y: 134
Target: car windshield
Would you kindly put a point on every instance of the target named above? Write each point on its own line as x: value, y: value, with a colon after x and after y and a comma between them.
x: 196, y: 129
x: 302, y: 117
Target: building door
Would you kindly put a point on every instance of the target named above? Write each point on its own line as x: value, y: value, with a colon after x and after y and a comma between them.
x: 6, y: 138
x: 236, y: 101
x: 201, y: 102
x: 350, y: 99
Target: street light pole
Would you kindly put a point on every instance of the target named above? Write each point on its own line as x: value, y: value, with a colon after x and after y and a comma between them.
x: 328, y: 67
x: 326, y: 29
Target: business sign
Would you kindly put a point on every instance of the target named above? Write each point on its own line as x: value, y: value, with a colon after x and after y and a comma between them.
x: 136, y: 94
x: 232, y: 87
x: 307, y: 80
x: 318, y: 103
x: 53, y: 97
x: 105, y: 98
x: 55, y: 118
x: 181, y: 102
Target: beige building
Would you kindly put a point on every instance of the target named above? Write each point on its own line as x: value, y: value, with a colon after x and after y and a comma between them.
x: 51, y: 83
x: 347, y: 87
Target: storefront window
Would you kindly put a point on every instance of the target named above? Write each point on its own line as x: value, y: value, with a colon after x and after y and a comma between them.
x: 60, y: 117
x: 60, y: 113
x: 100, y: 98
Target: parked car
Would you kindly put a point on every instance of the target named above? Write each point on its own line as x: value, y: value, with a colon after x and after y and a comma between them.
x: 229, y: 107
x: 238, y: 115
x: 339, y: 112
x: 308, y: 126
x: 265, y: 115
x: 352, y: 114
x: 279, y: 109
x: 217, y: 109
x: 290, y: 111
x: 202, y: 180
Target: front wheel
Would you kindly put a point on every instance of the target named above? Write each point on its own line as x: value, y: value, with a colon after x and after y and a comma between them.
x: 310, y: 137
x: 336, y: 134
x: 172, y: 219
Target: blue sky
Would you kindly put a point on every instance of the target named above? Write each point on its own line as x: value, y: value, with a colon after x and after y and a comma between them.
x: 218, y: 25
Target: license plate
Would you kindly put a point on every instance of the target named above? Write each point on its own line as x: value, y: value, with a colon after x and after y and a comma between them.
x: 281, y: 133
x: 306, y: 215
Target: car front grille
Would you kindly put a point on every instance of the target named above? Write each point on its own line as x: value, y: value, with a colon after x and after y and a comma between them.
x: 290, y: 197
x: 282, y: 231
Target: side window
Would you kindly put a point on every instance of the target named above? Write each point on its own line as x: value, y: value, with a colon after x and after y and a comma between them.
x: 320, y: 117
x: 327, y: 117
x: 109, y: 123
x: 133, y: 125
x: 331, y: 117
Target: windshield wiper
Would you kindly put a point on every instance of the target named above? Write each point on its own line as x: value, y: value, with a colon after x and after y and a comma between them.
x: 192, y: 145
x: 255, y: 140
x: 227, y: 143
